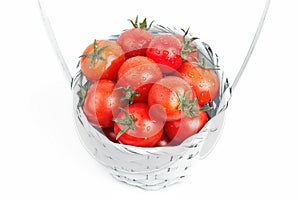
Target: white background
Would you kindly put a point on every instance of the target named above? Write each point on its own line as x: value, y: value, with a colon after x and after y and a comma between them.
x: 257, y: 156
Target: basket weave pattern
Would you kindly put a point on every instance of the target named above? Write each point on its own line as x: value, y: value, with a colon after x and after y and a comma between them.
x: 147, y: 168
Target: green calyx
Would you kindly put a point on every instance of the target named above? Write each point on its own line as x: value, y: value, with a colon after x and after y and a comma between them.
x: 141, y: 25
x: 128, y: 122
x: 82, y: 94
x: 95, y: 55
x: 129, y: 94
x: 186, y: 46
x: 189, y: 107
x: 204, y: 65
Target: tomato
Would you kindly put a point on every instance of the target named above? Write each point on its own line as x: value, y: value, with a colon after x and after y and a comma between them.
x: 172, y: 97
x: 135, y: 41
x: 164, y: 141
x: 140, y: 73
x: 180, y: 130
x: 134, y: 126
x: 102, y: 60
x: 204, y: 82
x: 165, y: 50
x: 102, y: 103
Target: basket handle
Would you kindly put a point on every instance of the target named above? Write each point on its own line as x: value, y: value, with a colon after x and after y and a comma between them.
x: 54, y: 43
x: 253, y: 44
x: 212, y: 139
x: 68, y: 73
x: 227, y: 94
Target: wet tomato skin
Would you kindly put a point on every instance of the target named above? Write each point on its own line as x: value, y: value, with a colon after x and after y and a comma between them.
x: 164, y: 95
x: 135, y: 42
x: 165, y: 50
x: 205, y: 83
x: 180, y: 130
x: 102, y: 103
x: 148, y: 131
x: 140, y: 73
x: 106, y: 68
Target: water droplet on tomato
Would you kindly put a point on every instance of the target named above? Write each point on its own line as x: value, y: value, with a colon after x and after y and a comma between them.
x: 190, y: 74
x: 148, y: 128
x: 165, y: 52
x: 157, y: 51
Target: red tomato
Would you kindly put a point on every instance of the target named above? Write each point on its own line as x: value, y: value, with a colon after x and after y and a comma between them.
x: 135, y: 42
x: 102, y: 103
x: 172, y: 97
x: 204, y: 82
x: 179, y: 130
x: 134, y: 126
x: 102, y: 60
x: 164, y: 141
x: 140, y: 73
x: 165, y: 50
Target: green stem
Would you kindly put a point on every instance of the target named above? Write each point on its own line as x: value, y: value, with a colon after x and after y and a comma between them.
x: 129, y: 94
x: 128, y: 122
x: 189, y: 106
x: 141, y: 25
x: 95, y: 55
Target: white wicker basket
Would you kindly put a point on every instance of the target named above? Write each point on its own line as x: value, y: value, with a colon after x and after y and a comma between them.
x: 148, y: 168
x: 157, y: 167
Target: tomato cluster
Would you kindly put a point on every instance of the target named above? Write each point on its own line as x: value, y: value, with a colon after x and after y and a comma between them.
x: 147, y: 90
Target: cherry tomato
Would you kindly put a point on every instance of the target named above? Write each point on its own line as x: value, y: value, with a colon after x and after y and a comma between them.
x: 135, y: 41
x: 165, y: 50
x: 204, y: 82
x: 172, y: 97
x: 134, y: 126
x: 179, y: 130
x: 102, y: 103
x: 140, y: 73
x: 102, y: 60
